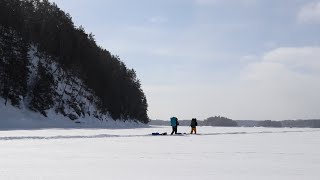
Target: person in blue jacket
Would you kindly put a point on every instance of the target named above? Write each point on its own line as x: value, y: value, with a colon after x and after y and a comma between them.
x: 174, y: 123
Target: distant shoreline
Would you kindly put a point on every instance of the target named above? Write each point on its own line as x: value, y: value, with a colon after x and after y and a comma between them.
x: 307, y: 123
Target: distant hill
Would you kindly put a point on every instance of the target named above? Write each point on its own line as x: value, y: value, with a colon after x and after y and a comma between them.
x: 220, y: 121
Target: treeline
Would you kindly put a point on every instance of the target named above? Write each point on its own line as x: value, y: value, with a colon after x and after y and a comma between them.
x: 226, y: 122
x: 38, y: 22
x: 220, y: 121
x: 211, y: 121
x: 311, y: 123
x: 269, y: 123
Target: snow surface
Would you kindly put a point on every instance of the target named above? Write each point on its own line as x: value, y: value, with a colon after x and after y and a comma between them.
x: 35, y: 147
x: 12, y: 118
x: 215, y: 153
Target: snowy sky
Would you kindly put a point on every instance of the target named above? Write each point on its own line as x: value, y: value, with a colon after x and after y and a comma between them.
x: 243, y: 59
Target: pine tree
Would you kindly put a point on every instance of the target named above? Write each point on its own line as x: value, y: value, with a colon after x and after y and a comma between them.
x: 19, y: 72
x: 43, y: 92
x: 8, y: 61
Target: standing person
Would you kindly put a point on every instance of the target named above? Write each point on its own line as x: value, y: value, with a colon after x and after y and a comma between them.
x: 174, y: 123
x: 194, y: 125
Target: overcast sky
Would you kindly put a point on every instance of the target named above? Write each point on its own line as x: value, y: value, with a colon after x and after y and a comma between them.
x: 243, y: 59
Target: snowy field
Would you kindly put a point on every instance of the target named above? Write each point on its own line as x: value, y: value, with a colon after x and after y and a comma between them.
x: 132, y: 154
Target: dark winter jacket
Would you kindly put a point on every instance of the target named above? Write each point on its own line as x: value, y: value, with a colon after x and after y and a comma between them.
x: 194, y: 123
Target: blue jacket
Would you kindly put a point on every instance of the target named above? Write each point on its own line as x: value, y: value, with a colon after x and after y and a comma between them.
x: 174, y: 121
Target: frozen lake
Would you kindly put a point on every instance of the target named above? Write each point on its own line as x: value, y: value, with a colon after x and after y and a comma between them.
x: 215, y: 153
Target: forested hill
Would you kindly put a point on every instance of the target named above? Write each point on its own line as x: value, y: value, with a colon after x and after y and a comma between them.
x: 47, y: 63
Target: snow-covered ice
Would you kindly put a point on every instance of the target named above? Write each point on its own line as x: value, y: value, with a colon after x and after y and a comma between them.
x: 215, y: 153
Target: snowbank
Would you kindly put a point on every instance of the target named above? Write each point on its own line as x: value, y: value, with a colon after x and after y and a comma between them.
x: 15, y: 118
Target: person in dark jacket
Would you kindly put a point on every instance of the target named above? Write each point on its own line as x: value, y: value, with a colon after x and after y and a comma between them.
x: 194, y: 125
x: 174, y: 123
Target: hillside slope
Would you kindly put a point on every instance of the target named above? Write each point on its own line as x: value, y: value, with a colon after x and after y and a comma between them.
x: 49, y: 65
